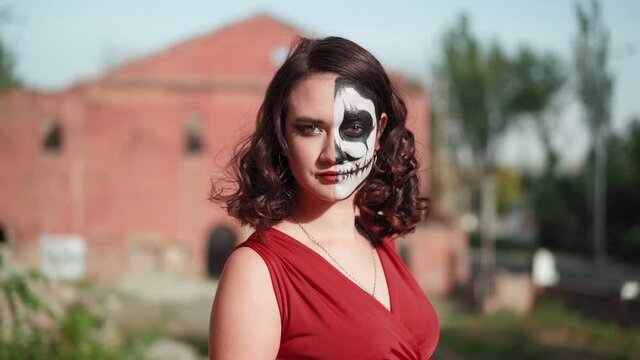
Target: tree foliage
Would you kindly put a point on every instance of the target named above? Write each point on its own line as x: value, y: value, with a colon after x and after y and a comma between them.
x: 480, y: 88
x: 623, y: 177
x: 488, y: 91
x: 8, y: 78
x: 541, y: 77
x: 591, y: 59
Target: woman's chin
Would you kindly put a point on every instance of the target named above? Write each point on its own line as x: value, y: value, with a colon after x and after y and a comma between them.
x: 331, y: 195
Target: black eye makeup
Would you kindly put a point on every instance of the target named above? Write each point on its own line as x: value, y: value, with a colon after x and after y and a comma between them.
x: 356, y: 124
x: 354, y: 131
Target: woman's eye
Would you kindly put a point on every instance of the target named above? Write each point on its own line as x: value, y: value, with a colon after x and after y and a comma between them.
x: 310, y: 129
x: 354, y: 131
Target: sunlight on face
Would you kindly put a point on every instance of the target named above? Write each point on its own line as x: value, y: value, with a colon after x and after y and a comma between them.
x: 330, y: 131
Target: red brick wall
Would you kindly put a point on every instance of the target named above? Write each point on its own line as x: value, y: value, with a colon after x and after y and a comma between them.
x: 123, y: 178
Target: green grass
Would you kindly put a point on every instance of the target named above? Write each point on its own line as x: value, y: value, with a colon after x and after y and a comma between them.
x: 551, y: 331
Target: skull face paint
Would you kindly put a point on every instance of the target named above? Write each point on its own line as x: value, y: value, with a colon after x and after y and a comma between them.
x: 330, y: 132
x: 355, y: 129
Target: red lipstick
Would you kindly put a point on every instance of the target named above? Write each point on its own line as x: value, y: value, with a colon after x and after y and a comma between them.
x: 328, y: 177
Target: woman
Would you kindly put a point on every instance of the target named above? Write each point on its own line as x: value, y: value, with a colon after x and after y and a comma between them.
x: 327, y: 179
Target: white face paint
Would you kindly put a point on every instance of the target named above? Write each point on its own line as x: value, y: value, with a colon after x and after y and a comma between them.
x: 354, y: 127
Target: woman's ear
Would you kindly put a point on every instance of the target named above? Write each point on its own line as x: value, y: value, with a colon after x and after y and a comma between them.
x: 381, y: 125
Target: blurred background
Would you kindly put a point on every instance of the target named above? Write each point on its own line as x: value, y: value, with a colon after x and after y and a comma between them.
x: 115, y: 117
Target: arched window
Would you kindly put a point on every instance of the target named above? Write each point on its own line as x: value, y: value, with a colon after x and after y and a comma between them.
x: 193, y: 133
x: 53, y: 137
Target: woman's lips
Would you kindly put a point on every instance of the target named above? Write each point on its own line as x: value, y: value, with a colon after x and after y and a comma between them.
x: 328, y: 177
x: 331, y: 177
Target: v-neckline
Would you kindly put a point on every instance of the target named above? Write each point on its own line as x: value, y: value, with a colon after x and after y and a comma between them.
x: 391, y: 308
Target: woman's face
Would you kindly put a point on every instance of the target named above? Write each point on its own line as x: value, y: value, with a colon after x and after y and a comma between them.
x: 331, y: 132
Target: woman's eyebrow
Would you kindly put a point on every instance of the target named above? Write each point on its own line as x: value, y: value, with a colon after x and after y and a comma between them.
x: 306, y: 119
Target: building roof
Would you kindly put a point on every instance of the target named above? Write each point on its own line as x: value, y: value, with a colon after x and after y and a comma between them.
x: 248, y: 50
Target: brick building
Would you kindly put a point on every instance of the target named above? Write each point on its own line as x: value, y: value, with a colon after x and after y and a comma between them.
x: 124, y: 162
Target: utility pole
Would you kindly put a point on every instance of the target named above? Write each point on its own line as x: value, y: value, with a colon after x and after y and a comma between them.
x: 594, y: 91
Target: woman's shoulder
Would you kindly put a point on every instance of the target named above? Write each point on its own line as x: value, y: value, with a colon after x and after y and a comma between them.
x: 246, y: 274
x: 256, y: 257
x: 245, y: 284
x: 251, y: 257
x: 245, y: 265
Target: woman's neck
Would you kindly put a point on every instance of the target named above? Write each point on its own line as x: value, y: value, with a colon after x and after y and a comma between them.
x: 326, y: 219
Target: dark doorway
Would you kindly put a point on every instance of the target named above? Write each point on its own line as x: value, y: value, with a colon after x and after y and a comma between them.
x: 221, y: 240
x: 3, y: 235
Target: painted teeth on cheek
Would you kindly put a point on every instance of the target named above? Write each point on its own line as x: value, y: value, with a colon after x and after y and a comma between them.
x: 356, y: 172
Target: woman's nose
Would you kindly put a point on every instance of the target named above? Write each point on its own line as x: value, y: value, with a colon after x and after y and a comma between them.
x: 341, y: 156
x: 329, y: 148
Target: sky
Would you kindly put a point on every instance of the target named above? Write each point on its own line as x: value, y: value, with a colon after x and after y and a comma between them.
x: 58, y: 43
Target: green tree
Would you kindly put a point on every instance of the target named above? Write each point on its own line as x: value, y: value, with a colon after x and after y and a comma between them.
x: 8, y: 79
x: 540, y: 78
x: 481, y: 96
x: 623, y: 193
x: 594, y: 92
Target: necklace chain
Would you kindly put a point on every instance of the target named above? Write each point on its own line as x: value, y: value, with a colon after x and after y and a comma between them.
x: 375, y: 268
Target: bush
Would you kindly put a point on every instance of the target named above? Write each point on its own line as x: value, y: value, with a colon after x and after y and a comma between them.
x: 560, y: 207
x: 36, y: 325
x: 629, y: 249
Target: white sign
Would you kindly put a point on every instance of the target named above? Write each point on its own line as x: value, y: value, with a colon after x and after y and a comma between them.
x: 63, y: 256
x: 630, y: 290
x: 545, y: 272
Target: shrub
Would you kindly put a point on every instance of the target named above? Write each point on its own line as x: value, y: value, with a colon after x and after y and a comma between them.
x: 34, y: 324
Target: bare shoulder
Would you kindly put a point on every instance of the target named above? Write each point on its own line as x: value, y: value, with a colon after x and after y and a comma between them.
x: 245, y: 319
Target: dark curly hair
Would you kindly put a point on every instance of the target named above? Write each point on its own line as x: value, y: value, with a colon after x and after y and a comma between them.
x: 389, y: 199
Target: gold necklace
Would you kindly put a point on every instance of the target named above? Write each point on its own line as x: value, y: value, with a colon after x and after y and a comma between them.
x: 375, y: 268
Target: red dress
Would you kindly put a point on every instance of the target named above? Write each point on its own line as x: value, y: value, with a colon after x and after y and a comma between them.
x: 324, y: 315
